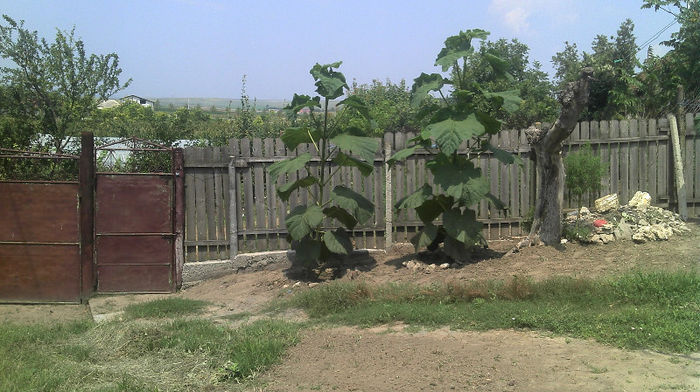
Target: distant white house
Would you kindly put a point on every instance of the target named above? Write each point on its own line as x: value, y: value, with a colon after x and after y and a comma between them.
x: 108, y: 104
x: 141, y: 101
x: 112, y: 103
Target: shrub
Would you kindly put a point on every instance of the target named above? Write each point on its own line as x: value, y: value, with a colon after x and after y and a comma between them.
x: 584, y: 171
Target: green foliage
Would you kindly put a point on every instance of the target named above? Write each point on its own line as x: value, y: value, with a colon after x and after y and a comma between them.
x: 466, y: 115
x: 167, y: 307
x: 59, y: 84
x: 584, y: 171
x: 339, y: 144
x: 138, y: 355
x: 654, y: 310
x: 577, y: 231
x: 615, y: 89
x: 389, y: 106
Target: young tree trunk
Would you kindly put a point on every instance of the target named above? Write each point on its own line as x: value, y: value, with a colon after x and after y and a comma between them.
x: 547, y: 146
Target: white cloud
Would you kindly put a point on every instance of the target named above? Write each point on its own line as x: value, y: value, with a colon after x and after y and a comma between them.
x: 516, y: 14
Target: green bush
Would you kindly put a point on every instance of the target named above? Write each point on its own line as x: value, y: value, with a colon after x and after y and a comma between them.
x: 584, y: 171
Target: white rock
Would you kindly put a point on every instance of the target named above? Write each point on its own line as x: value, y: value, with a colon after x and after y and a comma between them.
x: 607, y: 203
x: 584, y: 211
x: 297, y: 284
x: 640, y: 200
x: 313, y: 284
x: 564, y: 241
x: 444, y: 265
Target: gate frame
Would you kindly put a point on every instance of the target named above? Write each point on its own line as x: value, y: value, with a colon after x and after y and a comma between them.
x: 177, y: 207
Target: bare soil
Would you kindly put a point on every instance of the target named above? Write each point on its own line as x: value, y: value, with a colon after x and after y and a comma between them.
x: 392, y: 358
x: 350, y: 359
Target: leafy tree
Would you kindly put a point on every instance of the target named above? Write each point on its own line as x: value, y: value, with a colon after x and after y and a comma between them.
x: 532, y: 84
x: 60, y: 84
x: 684, y: 44
x: 335, y: 144
x: 389, y: 106
x: 465, y: 115
x: 614, y: 89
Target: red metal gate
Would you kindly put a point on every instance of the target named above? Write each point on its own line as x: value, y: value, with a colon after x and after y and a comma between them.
x: 60, y: 240
x: 137, y: 226
x: 45, y: 240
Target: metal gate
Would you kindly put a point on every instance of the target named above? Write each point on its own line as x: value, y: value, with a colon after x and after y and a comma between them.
x: 66, y: 230
x: 45, y: 245
x: 137, y: 223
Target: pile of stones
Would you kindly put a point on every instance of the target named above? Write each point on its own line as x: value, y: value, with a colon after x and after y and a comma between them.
x: 638, y: 221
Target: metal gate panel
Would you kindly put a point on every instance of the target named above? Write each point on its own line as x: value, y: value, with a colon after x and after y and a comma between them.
x: 134, y: 233
x: 39, y: 242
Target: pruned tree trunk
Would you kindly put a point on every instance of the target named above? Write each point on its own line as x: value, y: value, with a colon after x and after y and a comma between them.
x: 547, y: 146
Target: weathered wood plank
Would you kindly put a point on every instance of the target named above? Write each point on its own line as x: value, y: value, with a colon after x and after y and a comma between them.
x: 399, y: 182
x: 653, y: 163
x: 259, y: 197
x: 220, y: 204
x: 190, y: 208
x: 248, y: 196
x: 624, y: 160
x: 270, y: 195
x: 633, y: 163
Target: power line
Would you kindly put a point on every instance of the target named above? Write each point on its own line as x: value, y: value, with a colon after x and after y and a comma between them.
x: 657, y: 35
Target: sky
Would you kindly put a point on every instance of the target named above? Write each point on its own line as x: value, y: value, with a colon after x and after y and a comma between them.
x: 202, y: 48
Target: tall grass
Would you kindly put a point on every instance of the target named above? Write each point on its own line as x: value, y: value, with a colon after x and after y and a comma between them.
x: 138, y: 355
x: 656, y: 310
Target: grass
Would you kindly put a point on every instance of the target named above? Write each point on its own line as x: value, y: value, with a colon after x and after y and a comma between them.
x: 166, y: 307
x: 654, y: 310
x: 151, y: 354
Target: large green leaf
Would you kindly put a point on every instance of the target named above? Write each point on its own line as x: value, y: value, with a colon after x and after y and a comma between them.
x: 491, y: 124
x: 496, y: 202
x: 503, y: 155
x: 338, y: 241
x: 308, y: 250
x: 292, y: 137
x: 459, y: 179
x: 341, y: 215
x: 365, y: 147
x: 510, y: 99
x: 286, y: 190
x: 425, y: 236
x: 499, y: 65
x: 402, y: 154
x: 458, y: 46
x: 357, y: 103
x: 330, y: 83
x: 416, y: 198
x: 342, y: 159
x: 431, y: 209
x: 450, y: 133
x: 353, y: 202
x: 302, y: 101
x: 288, y: 165
x: 462, y: 226
x: 302, y: 220
x: 424, y: 84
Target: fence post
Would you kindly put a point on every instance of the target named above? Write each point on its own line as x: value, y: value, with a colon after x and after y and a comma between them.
x: 179, y: 221
x: 678, y: 168
x: 388, y: 208
x: 86, y: 191
x: 232, y: 203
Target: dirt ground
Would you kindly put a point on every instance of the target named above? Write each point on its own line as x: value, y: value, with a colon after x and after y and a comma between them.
x: 392, y: 358
x: 350, y: 359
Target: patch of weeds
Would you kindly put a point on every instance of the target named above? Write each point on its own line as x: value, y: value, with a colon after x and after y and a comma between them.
x: 596, y: 369
x: 237, y: 316
x: 166, y: 307
x: 656, y: 310
x: 577, y: 231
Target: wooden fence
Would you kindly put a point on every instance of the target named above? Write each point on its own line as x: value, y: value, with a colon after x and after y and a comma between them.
x: 638, y: 152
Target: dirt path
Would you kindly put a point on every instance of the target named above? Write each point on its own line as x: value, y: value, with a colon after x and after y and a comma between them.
x: 349, y: 359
